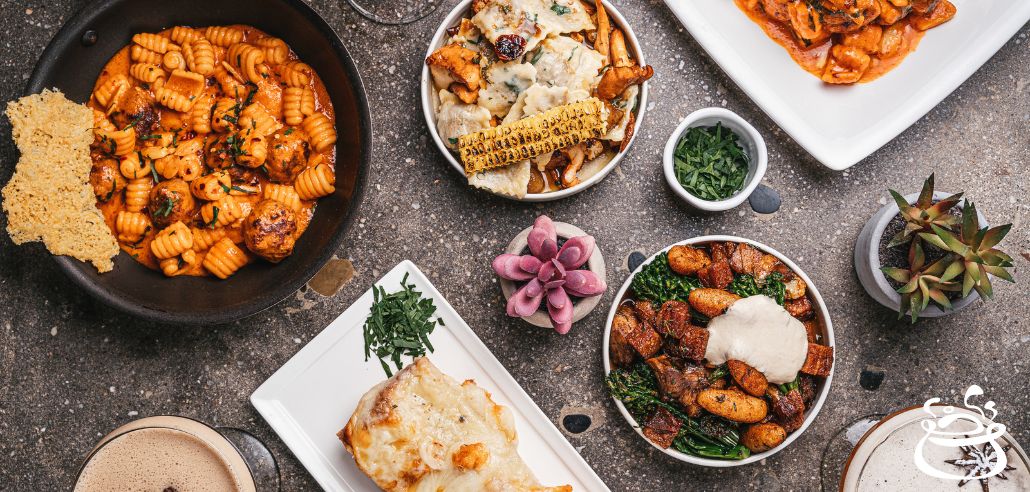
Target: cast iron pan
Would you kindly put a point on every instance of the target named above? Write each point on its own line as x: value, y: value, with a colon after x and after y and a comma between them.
x: 72, y: 62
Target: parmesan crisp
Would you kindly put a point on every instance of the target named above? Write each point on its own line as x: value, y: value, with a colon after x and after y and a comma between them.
x: 49, y: 198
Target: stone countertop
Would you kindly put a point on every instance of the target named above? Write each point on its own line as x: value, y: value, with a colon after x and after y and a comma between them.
x: 72, y: 369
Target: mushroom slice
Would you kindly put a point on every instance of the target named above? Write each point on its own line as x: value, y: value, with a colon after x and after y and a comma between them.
x: 616, y: 80
x: 457, y: 62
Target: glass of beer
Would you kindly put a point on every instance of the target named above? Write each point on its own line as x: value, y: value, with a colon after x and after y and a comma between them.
x: 178, y: 454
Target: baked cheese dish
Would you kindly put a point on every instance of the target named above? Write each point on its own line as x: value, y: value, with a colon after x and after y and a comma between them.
x: 423, y: 431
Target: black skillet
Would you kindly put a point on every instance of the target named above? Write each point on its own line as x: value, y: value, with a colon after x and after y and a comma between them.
x: 72, y: 62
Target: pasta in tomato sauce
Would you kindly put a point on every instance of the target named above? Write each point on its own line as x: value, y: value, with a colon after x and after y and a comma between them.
x: 211, y: 148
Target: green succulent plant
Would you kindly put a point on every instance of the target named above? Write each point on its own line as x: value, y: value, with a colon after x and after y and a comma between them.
x: 972, y: 252
x: 923, y: 215
x: 923, y: 283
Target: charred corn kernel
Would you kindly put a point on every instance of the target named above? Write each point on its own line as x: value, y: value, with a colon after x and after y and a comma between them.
x: 539, y: 134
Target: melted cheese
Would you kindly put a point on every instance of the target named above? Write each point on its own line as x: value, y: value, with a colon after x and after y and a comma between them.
x: 456, y: 119
x: 505, y: 81
x: 422, y: 431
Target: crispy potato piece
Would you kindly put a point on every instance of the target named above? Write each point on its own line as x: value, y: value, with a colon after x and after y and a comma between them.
x: 478, y: 5
x: 813, y: 329
x: 662, y: 428
x: 751, y: 380
x: 616, y: 80
x: 467, y: 96
x: 806, y: 385
x: 459, y: 63
x: 687, y: 260
x: 799, y: 308
x: 690, y: 344
x: 736, y: 406
x: 718, y: 275
x: 604, y: 28
x: 620, y: 350
x: 941, y: 13
x: 767, y: 265
x: 711, y: 302
x: 763, y: 437
x: 795, y: 287
x: 889, y: 13
x: 819, y: 360
x: 645, y: 311
x: 673, y: 318
x: 618, y: 54
x: 789, y: 409
x: 745, y: 258
x: 645, y: 340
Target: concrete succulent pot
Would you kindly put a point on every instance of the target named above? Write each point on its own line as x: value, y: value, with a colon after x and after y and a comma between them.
x: 867, y: 261
x: 582, y: 306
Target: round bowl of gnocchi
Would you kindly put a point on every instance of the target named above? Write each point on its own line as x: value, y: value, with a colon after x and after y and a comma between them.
x: 498, y: 72
x: 719, y: 351
x: 228, y: 159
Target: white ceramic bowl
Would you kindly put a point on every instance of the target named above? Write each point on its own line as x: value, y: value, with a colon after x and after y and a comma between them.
x: 823, y: 388
x: 429, y: 100
x: 750, y: 140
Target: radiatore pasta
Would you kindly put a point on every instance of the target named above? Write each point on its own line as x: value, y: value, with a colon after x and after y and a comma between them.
x: 206, y: 139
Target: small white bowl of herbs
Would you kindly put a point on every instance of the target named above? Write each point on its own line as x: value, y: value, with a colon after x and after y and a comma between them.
x: 715, y: 159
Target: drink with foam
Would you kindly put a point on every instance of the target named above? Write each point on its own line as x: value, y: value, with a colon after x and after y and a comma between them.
x: 165, y: 454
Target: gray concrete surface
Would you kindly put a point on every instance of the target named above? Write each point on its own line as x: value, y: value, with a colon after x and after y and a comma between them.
x: 71, y: 369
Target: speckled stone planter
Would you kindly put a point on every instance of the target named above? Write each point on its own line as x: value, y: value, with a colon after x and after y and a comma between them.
x: 867, y: 262
x: 582, y: 305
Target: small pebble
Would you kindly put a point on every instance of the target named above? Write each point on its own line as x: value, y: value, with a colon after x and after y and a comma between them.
x: 576, y: 423
x: 634, y: 260
x: 871, y: 378
x: 764, y: 200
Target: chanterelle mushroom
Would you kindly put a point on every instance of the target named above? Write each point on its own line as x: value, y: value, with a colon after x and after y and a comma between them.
x: 455, y: 63
x: 617, y: 79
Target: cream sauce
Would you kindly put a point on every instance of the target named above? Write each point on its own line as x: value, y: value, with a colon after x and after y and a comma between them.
x: 761, y: 333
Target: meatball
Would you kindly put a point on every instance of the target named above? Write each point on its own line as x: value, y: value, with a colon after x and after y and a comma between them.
x: 136, y: 107
x: 288, y: 154
x: 106, y: 179
x: 171, y: 202
x: 269, y: 230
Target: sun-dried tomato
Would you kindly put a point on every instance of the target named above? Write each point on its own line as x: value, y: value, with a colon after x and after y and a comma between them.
x: 509, y: 47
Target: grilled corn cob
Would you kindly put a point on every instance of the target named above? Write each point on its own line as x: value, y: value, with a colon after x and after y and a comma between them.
x: 535, y: 135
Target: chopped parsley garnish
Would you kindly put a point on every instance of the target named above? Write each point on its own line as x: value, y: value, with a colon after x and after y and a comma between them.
x: 513, y: 87
x: 288, y: 131
x: 166, y: 208
x: 214, y: 218
x: 453, y: 141
x: 242, y: 190
x: 559, y: 9
x: 536, y: 57
x: 399, y: 325
x: 709, y: 163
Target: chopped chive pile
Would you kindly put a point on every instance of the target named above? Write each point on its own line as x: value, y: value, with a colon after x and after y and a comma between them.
x: 709, y: 163
x: 399, y: 325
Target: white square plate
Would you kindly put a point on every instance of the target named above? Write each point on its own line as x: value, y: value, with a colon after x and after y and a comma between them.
x: 310, y: 398
x: 840, y: 126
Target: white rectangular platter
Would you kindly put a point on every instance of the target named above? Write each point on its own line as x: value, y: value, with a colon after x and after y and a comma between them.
x: 311, y: 397
x: 842, y: 125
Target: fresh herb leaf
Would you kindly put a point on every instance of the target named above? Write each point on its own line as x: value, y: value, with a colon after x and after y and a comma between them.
x: 288, y: 131
x: 242, y: 190
x: 657, y: 282
x: 166, y: 208
x: 536, y: 57
x: 453, y: 141
x: 513, y: 87
x: 559, y: 9
x: 709, y: 163
x: 746, y: 286
x: 399, y: 325
x: 214, y: 218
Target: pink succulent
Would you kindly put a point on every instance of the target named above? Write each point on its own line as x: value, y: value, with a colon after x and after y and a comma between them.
x: 551, y: 273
